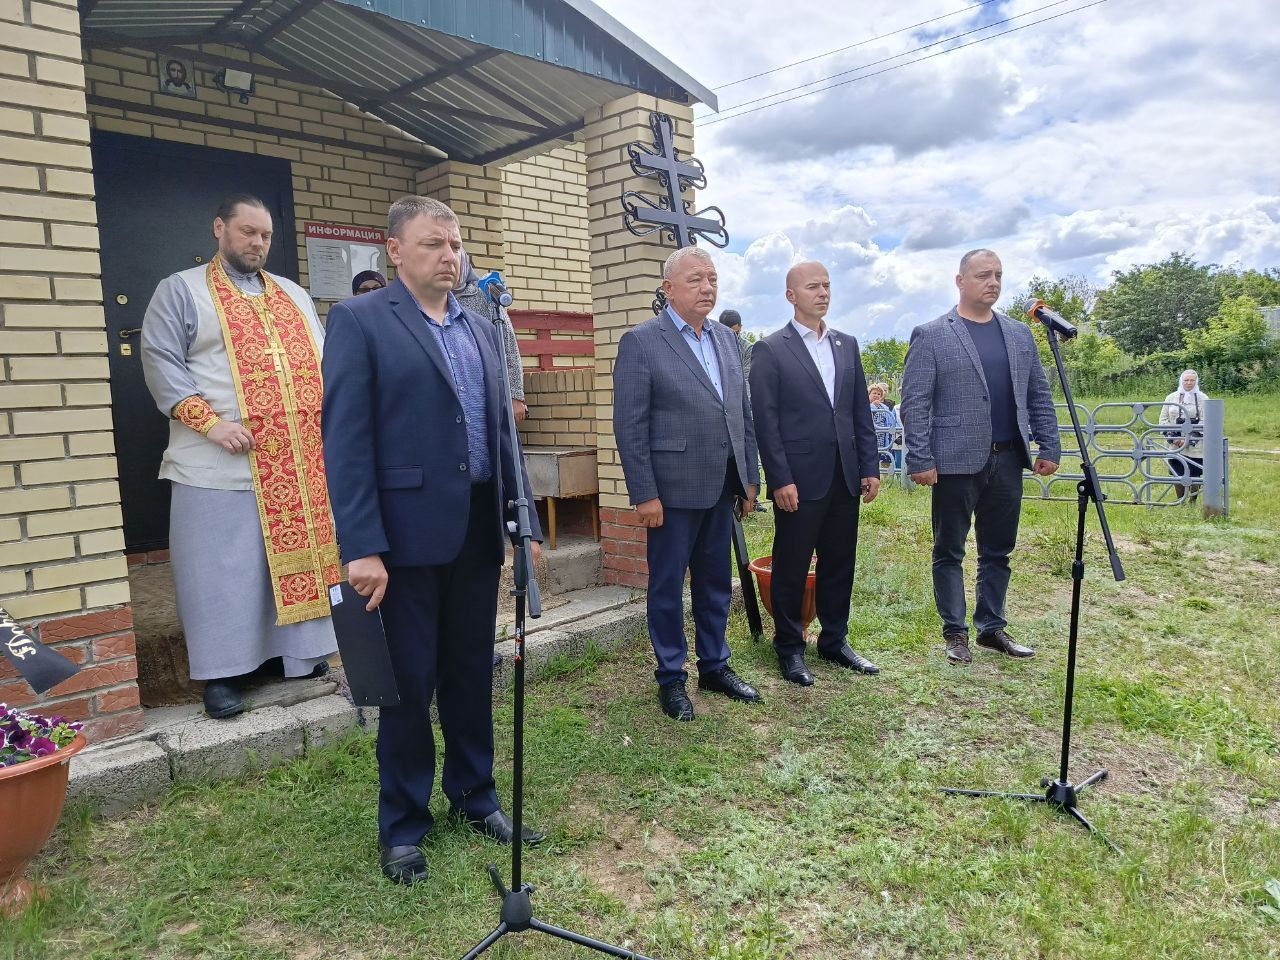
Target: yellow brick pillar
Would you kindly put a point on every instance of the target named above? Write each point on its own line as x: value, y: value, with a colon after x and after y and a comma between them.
x: 475, y: 195
x: 62, y: 568
x: 625, y: 271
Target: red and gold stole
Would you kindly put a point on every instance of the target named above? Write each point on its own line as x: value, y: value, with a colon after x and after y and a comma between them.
x: 275, y: 365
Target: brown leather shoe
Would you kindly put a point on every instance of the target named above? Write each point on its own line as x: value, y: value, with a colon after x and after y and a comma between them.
x: 958, y: 648
x: 1001, y: 641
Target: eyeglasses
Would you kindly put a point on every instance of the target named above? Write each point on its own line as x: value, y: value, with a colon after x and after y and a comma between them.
x: 368, y: 287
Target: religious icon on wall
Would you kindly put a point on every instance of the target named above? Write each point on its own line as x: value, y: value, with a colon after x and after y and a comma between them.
x: 177, y: 77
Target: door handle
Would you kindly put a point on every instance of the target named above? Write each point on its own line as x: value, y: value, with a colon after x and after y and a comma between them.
x: 126, y: 334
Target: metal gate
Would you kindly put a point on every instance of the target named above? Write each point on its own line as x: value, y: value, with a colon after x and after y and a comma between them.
x: 1145, y: 452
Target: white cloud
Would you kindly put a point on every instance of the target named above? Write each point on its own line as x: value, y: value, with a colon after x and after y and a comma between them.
x: 1106, y: 138
x: 1087, y: 233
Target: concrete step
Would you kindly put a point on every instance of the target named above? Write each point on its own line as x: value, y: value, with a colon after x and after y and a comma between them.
x: 290, y: 718
x: 574, y: 564
x: 570, y: 608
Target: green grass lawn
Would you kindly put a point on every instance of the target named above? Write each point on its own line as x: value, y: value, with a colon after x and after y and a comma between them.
x: 809, y: 826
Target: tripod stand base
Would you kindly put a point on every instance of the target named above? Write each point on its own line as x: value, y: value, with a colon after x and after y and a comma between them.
x: 1060, y: 794
x: 517, y: 917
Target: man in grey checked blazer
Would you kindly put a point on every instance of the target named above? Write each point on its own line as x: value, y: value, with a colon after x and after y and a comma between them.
x: 973, y: 392
x: 688, y: 450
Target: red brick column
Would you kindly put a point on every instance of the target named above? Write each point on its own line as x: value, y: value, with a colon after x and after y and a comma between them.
x: 104, y: 694
x: 623, y: 542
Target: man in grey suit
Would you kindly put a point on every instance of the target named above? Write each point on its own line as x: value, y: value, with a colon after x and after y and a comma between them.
x: 688, y: 449
x: 973, y: 391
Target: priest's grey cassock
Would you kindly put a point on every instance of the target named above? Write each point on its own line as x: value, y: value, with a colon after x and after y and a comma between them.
x: 226, y: 600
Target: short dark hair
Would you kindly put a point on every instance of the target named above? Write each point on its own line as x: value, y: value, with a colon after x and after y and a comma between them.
x: 731, y: 318
x: 410, y: 207
x: 227, y: 209
x: 980, y: 252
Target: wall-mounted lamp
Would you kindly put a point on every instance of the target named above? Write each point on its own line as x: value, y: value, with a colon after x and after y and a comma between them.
x: 235, y: 81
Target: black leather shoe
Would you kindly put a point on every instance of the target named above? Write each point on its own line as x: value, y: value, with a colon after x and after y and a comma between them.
x: 404, y: 865
x: 958, y: 648
x: 730, y: 684
x: 222, y: 699
x: 1001, y: 641
x: 498, y: 826
x: 675, y: 702
x: 795, y: 670
x: 850, y: 659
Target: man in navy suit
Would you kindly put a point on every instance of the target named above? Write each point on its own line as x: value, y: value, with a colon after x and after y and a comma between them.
x: 421, y: 468
x: 973, y: 392
x: 818, y: 445
x: 683, y: 427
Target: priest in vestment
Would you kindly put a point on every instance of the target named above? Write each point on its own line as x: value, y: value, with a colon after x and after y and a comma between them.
x: 231, y: 355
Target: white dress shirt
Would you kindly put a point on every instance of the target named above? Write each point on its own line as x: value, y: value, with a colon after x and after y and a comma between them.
x: 823, y: 353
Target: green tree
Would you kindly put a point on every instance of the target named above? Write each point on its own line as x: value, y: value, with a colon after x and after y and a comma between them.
x: 1151, y: 308
x: 1262, y: 285
x: 1071, y: 296
x: 884, y: 360
x: 1236, y: 335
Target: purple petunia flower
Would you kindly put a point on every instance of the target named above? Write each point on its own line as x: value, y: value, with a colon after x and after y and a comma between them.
x: 19, y: 738
x: 25, y: 736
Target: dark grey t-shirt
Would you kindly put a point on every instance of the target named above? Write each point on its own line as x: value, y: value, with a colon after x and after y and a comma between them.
x: 993, y: 353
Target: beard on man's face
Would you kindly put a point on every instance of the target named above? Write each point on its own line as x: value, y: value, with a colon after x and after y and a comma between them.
x: 246, y: 263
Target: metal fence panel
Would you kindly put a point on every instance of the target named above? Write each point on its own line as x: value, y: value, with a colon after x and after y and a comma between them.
x: 1138, y: 458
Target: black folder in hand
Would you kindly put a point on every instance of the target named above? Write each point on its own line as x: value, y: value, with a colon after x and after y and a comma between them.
x: 363, y: 646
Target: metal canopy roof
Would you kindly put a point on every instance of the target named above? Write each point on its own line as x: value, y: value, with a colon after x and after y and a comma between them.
x: 482, y: 80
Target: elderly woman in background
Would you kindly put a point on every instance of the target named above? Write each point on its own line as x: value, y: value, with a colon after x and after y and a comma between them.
x: 471, y: 297
x: 885, y: 419
x: 1182, y: 408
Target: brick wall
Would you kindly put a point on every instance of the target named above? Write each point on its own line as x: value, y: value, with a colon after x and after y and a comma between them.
x: 62, y: 569
x: 561, y: 412
x: 544, y: 222
x: 352, y: 181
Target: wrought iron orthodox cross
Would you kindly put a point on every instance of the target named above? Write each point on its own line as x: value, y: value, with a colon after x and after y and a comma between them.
x: 669, y: 213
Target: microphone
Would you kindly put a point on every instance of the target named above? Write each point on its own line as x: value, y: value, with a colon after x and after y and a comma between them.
x: 1053, y: 322
x: 491, y: 286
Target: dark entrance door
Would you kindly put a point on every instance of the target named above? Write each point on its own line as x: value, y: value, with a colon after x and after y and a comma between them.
x: 156, y: 202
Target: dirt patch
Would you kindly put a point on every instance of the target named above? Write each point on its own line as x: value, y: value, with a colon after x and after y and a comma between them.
x: 618, y: 863
x: 164, y: 673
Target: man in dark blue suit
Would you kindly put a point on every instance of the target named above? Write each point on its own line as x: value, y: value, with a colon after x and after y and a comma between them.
x: 683, y: 426
x: 818, y: 446
x: 420, y: 469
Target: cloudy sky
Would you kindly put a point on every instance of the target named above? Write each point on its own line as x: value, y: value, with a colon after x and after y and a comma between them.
x: 1106, y: 137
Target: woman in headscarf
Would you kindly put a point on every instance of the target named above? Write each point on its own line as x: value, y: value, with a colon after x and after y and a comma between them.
x: 471, y: 297
x: 367, y: 281
x: 1182, y: 411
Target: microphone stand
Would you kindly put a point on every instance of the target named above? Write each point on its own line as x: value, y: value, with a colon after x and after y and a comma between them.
x: 1061, y: 794
x: 517, y: 906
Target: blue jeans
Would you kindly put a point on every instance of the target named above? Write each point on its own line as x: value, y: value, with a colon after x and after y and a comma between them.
x: 990, y: 500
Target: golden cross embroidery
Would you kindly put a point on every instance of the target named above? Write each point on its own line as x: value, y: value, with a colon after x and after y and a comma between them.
x: 276, y: 352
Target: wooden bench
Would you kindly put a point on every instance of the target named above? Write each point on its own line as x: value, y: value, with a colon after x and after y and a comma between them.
x: 564, y: 473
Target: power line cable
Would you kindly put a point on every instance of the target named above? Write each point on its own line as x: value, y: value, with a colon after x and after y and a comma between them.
x: 898, y: 66
x: 896, y: 56
x: 860, y: 43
